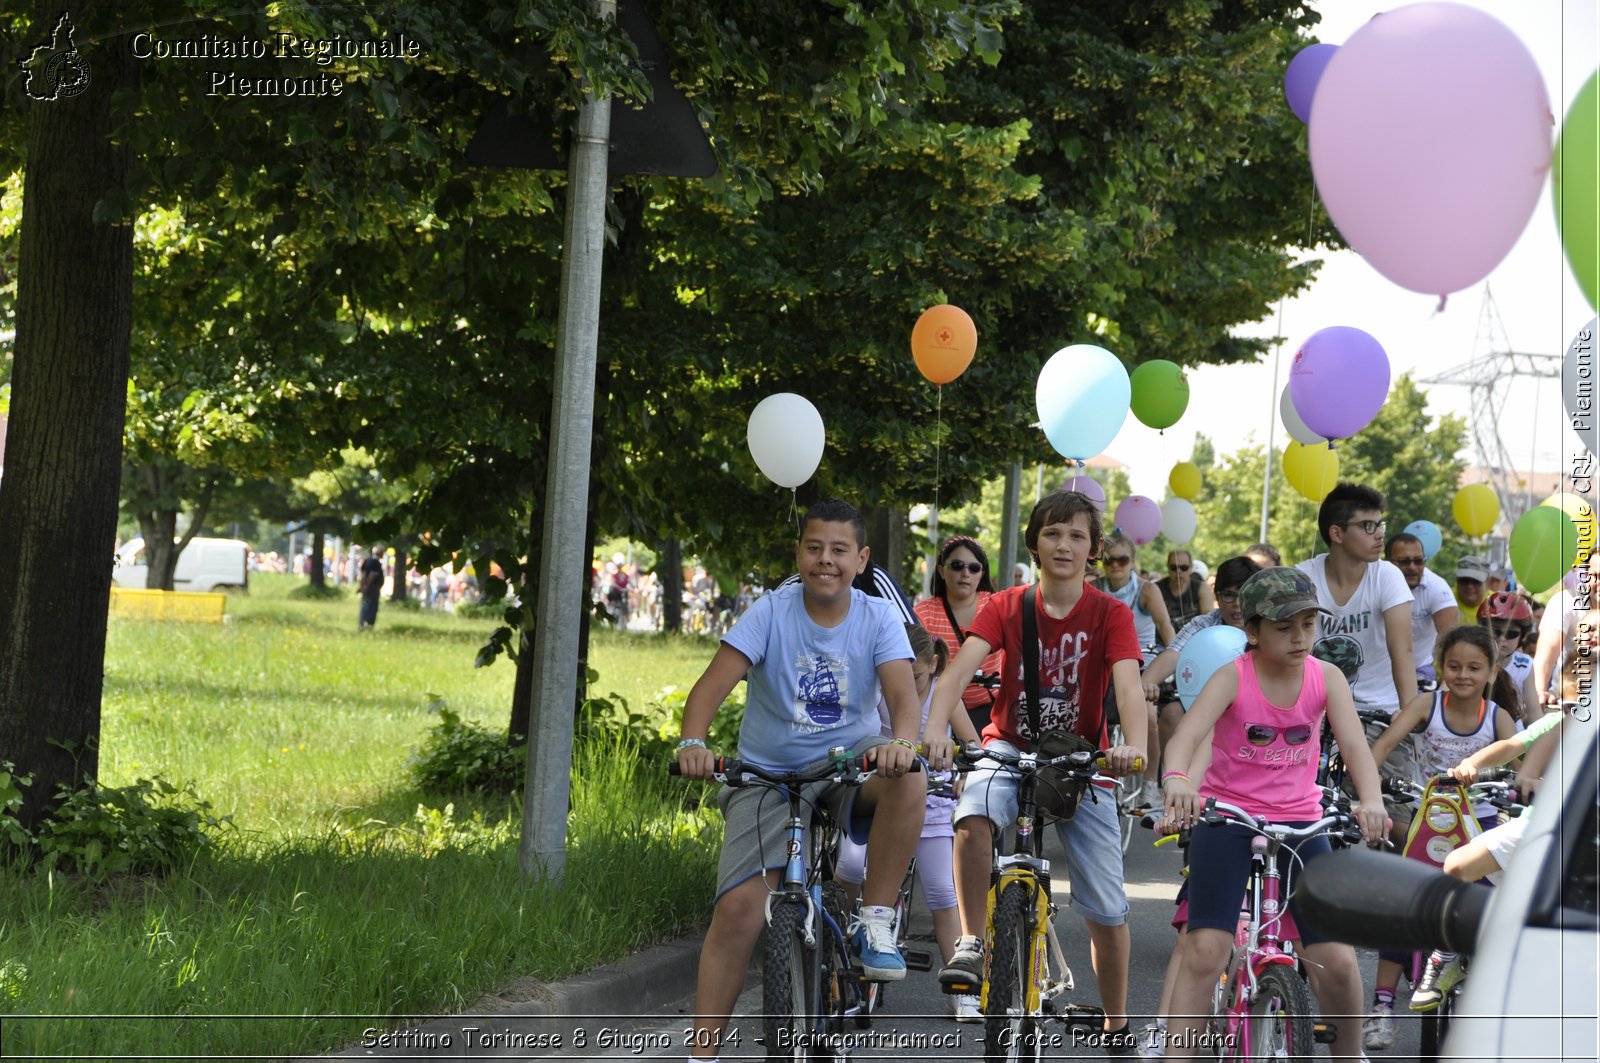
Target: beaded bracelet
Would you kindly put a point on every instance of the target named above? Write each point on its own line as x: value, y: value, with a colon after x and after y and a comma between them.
x: 691, y: 743
x: 903, y: 742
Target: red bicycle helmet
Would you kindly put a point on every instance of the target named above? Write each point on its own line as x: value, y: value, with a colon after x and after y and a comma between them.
x: 1504, y: 605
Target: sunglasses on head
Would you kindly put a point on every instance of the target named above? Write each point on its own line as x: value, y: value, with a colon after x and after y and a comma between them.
x: 964, y: 566
x: 1260, y: 734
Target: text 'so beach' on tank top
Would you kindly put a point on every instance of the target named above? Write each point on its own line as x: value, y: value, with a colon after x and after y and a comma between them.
x: 1265, y: 774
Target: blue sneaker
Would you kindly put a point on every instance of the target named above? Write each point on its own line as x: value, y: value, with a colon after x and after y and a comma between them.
x: 872, y: 939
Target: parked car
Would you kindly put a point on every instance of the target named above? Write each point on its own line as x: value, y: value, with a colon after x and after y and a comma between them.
x: 204, y: 565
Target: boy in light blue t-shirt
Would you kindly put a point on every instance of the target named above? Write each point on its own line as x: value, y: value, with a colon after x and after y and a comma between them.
x: 815, y: 656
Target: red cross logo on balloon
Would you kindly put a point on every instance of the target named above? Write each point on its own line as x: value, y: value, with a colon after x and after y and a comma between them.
x: 1188, y: 674
x: 944, y: 335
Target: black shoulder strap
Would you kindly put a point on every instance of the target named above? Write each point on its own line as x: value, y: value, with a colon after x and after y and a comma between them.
x: 961, y: 636
x: 1030, y: 658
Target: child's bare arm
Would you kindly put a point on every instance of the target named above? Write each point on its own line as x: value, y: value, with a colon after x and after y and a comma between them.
x: 1405, y: 721
x: 709, y: 692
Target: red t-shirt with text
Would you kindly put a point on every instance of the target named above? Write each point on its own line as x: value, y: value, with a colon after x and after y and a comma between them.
x: 1075, y: 659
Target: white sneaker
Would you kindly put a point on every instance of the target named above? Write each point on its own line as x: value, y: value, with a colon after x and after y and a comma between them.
x: 1377, y: 1031
x: 1154, y: 1043
x: 964, y: 1007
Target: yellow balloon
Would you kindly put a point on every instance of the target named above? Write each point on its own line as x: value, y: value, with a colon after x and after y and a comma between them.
x: 1476, y: 508
x: 1312, y: 471
x: 1583, y: 519
x: 1185, y: 480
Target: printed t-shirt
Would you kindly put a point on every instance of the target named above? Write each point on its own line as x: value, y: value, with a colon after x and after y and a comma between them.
x: 1271, y: 778
x: 931, y: 612
x: 812, y: 687
x: 1354, y: 639
x: 1432, y: 595
x: 1075, y: 658
x: 1441, y: 747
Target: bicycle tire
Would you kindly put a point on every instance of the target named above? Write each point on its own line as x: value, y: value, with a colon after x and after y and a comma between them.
x: 1009, y: 1034
x: 1281, y: 1017
x: 789, y: 986
x: 1435, y: 1024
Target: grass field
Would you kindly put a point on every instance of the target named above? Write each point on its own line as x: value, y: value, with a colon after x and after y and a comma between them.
x: 341, y: 890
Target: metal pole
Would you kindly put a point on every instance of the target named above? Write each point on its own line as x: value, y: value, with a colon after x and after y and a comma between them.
x: 543, y: 848
x: 1010, y: 518
x: 1272, y: 427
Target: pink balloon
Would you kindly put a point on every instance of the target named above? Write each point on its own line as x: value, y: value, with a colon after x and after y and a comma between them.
x: 1085, y: 486
x: 1338, y: 381
x: 1140, y: 517
x: 1430, y: 139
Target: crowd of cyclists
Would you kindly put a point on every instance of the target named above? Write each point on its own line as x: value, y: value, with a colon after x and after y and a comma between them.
x: 1412, y: 676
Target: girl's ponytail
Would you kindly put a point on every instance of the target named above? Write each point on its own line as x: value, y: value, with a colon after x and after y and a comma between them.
x: 1503, y: 692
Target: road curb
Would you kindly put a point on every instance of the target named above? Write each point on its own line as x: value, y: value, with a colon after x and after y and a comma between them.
x: 554, y: 1017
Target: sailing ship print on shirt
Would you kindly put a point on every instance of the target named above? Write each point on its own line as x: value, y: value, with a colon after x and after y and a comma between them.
x: 822, y: 691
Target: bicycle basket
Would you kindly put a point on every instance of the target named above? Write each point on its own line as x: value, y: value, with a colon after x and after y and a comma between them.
x: 1058, y: 792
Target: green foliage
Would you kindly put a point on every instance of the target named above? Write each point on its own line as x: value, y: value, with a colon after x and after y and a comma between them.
x: 13, y: 835
x: 459, y: 757
x: 655, y: 730
x: 147, y: 827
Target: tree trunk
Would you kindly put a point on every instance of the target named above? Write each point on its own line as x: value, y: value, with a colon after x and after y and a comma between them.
x: 318, y: 579
x: 58, y: 500
x: 669, y: 576
x: 160, y: 552
x: 398, y: 590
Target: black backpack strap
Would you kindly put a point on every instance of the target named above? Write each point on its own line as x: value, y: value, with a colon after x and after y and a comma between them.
x: 1030, y: 658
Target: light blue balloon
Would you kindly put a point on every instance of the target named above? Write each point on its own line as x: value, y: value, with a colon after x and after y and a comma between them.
x: 1428, y: 534
x: 1202, y: 655
x: 1082, y: 395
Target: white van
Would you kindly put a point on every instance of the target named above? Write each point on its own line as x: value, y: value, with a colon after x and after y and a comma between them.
x: 204, y: 565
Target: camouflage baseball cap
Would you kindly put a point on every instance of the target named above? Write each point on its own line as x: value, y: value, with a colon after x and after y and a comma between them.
x: 1278, y: 594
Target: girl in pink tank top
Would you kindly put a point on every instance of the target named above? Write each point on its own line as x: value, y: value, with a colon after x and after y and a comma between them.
x: 1264, y: 714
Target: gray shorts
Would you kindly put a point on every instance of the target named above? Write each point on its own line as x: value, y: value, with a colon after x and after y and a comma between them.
x: 754, y: 819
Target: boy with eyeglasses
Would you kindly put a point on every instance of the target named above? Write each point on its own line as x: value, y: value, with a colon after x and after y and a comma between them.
x: 1366, y: 633
x: 1433, y: 607
x: 1185, y: 593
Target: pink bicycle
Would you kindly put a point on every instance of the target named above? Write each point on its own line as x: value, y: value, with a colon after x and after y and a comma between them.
x: 1262, y: 1008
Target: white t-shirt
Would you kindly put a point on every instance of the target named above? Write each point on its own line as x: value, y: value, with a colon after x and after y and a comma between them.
x: 1354, y: 639
x: 1431, y: 595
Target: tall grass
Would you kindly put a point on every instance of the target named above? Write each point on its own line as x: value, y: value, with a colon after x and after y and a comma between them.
x: 343, y: 891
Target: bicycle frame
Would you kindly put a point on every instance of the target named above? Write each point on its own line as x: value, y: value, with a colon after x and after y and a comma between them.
x: 1257, y: 944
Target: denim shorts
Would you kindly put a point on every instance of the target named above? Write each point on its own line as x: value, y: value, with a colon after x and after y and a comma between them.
x: 1091, y: 838
x: 1219, y: 868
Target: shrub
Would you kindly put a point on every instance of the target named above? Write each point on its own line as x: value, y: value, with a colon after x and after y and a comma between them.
x: 656, y: 728
x: 458, y: 756
x: 149, y: 826
x: 13, y: 835
x: 314, y: 593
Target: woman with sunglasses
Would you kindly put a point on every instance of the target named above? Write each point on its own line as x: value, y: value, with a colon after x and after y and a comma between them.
x: 961, y: 588
x: 1151, y: 623
x: 1265, y: 714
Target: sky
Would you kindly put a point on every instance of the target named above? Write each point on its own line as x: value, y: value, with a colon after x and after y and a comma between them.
x: 1539, y: 304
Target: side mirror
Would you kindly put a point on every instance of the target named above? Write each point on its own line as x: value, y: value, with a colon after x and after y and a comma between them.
x: 1381, y: 901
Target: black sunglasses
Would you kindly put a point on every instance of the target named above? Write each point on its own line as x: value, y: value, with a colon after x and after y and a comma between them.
x: 1116, y: 559
x: 1178, y: 568
x: 965, y: 566
x: 1260, y: 734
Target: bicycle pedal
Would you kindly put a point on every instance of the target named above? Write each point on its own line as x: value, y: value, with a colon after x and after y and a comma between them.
x: 953, y: 989
x: 1085, y: 1015
x: 917, y: 959
x: 1324, y: 1033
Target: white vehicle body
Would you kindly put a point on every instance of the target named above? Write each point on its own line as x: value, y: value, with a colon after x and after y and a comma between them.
x: 1533, y: 982
x: 204, y: 565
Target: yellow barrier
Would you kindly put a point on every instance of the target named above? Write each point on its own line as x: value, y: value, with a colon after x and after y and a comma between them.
x: 143, y: 604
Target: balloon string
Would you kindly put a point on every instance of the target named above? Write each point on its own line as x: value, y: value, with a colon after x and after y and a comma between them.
x: 938, y: 442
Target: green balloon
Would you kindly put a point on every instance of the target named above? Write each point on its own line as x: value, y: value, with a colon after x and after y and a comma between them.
x: 1575, y: 187
x: 1160, y: 393
x: 1544, y: 545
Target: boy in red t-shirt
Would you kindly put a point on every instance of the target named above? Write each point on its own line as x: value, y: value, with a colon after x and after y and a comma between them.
x: 1086, y: 643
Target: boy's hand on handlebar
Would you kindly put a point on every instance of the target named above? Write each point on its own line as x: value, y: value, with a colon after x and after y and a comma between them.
x: 892, y: 759
x: 1124, y: 760
x: 940, y: 753
x: 1182, y: 802
x: 695, y: 762
x: 1374, y: 823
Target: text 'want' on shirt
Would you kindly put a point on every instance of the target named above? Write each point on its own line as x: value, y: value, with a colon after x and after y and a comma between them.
x: 1354, y: 639
x: 812, y: 687
x: 1075, y: 658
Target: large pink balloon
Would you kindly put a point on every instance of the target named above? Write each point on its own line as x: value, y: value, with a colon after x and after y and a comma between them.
x: 1338, y: 380
x: 1430, y: 139
x: 1140, y: 517
x: 1089, y: 488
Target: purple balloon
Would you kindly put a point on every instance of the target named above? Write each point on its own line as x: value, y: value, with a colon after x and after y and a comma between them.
x: 1430, y: 143
x: 1300, y: 80
x: 1339, y: 380
x: 1140, y: 517
x: 1085, y: 486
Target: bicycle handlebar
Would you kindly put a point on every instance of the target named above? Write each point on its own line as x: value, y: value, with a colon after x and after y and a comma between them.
x: 731, y: 771
x: 1217, y: 813
x: 1086, y: 763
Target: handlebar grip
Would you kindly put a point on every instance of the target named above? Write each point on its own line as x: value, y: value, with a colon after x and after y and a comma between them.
x: 1166, y: 839
x: 1138, y: 763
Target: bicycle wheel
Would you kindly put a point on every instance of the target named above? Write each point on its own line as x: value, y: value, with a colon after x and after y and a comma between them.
x: 1128, y: 789
x: 1009, y: 1033
x: 789, y: 986
x: 1280, y: 1017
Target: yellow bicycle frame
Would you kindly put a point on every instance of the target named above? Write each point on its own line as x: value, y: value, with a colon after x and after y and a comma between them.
x: 1038, y: 947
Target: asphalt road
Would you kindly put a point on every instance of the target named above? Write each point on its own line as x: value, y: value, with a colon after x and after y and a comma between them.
x: 916, y: 1023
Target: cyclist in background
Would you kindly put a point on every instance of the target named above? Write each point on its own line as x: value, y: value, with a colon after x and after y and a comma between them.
x: 1264, y: 714
x: 815, y: 656
x: 1433, y: 607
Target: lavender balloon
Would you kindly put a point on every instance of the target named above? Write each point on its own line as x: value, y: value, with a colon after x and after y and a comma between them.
x: 1140, y: 517
x: 1088, y: 488
x: 1339, y: 380
x: 1300, y: 80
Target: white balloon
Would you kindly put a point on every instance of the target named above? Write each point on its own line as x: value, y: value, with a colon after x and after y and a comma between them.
x: 1179, y: 520
x: 1578, y: 380
x: 786, y: 438
x: 1293, y: 424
